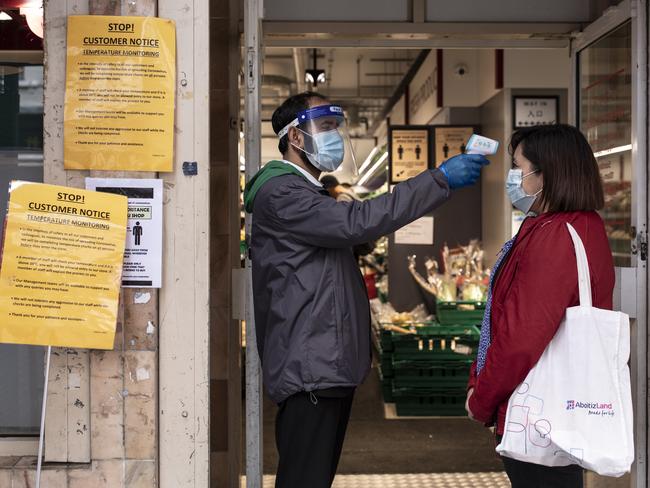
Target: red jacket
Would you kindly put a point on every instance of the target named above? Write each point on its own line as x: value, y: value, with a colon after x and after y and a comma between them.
x: 534, y: 287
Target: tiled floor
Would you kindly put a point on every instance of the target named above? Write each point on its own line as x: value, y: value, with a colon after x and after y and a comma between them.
x: 436, y: 480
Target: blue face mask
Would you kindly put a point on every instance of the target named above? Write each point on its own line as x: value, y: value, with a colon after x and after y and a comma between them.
x: 519, y: 198
x: 329, y: 148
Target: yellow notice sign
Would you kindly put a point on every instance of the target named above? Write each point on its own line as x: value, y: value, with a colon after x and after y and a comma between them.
x: 409, y: 154
x: 119, y: 98
x: 450, y: 141
x: 61, y: 266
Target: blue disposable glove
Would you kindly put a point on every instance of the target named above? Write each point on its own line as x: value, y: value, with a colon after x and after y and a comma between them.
x: 463, y: 170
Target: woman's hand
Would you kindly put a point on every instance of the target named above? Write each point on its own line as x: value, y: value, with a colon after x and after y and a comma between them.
x: 469, y: 412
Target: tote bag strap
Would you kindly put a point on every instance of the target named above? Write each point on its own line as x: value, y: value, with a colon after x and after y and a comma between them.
x: 584, y: 278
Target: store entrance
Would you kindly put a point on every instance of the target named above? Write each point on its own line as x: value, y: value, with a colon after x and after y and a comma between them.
x: 408, y: 417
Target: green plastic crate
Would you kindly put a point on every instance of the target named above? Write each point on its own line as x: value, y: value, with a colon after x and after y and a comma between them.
x: 437, y: 342
x: 387, y: 336
x: 460, y: 313
x: 386, y: 388
x: 436, y: 374
x: 429, y: 402
x: 386, y: 365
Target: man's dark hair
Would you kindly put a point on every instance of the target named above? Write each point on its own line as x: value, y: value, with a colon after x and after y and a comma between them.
x: 329, y: 181
x: 566, y: 161
x: 288, y: 111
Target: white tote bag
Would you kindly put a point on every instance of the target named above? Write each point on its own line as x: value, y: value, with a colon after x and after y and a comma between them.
x: 575, y: 405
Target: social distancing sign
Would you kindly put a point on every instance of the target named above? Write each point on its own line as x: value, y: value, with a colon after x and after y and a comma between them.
x: 409, y: 153
x: 143, y: 253
x: 61, y: 266
x: 119, y: 97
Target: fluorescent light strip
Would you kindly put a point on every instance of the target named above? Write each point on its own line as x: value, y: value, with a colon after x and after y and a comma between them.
x: 366, y: 163
x: 372, y: 170
x: 614, y: 150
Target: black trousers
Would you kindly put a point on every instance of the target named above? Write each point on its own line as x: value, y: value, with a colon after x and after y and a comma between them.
x: 309, y: 433
x: 528, y: 475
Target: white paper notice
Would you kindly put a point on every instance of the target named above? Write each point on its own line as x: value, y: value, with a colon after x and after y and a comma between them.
x: 418, y: 232
x: 143, y: 252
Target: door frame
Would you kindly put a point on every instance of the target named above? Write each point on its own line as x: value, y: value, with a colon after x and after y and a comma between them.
x: 631, y: 293
x: 254, y: 43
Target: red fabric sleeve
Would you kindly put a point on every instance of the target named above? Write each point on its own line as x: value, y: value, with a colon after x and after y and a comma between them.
x: 545, y: 284
x: 472, y: 377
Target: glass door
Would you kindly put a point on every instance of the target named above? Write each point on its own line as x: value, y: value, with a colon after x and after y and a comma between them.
x: 21, y: 158
x: 609, y: 92
x: 605, y: 111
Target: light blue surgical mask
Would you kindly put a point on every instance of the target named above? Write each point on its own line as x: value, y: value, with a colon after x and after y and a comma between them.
x: 330, y: 150
x: 519, y: 198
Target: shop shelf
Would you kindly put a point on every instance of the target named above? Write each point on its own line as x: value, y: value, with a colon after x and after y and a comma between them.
x: 436, y: 374
x: 460, y: 313
x: 430, y: 402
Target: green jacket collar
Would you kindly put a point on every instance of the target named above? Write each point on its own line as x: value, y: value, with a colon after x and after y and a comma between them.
x: 268, y: 171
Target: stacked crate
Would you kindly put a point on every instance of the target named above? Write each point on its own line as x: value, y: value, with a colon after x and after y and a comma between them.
x: 426, y: 372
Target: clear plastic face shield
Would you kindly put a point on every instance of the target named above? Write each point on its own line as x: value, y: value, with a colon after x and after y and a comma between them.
x: 326, y: 141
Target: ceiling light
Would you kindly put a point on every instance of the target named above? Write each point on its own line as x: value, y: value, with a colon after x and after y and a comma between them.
x: 614, y: 150
x: 5, y: 16
x: 34, y: 17
x: 315, y: 75
x: 368, y: 160
x: 372, y: 170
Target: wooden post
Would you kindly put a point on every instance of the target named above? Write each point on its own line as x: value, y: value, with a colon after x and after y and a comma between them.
x: 69, y: 426
x: 184, y: 298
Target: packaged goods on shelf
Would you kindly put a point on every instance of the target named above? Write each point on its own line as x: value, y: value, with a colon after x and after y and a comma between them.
x: 458, y: 294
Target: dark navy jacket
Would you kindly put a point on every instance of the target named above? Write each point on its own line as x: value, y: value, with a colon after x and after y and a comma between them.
x: 312, y: 315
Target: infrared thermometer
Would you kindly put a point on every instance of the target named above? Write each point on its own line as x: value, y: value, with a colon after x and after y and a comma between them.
x: 481, y: 145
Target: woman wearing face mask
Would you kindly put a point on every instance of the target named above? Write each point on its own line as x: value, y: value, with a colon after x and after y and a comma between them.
x: 554, y: 179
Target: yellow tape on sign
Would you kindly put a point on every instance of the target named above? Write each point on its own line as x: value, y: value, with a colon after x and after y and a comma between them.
x: 119, y: 96
x: 61, y: 266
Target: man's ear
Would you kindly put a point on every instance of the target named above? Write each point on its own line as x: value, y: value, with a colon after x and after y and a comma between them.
x: 295, y: 137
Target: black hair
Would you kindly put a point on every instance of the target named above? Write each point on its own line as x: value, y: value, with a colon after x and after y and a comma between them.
x: 288, y: 111
x: 565, y: 159
x: 329, y: 181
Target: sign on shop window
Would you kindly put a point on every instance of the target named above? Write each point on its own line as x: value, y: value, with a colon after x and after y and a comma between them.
x: 419, y: 231
x: 450, y: 141
x: 531, y: 111
x: 61, y: 266
x: 409, y: 152
x: 143, y: 252
x: 119, y: 97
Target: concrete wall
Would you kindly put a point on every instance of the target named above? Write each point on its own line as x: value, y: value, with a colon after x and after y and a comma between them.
x: 495, y: 205
x: 486, y: 82
x: 462, y: 90
x: 536, y: 68
x: 522, y: 68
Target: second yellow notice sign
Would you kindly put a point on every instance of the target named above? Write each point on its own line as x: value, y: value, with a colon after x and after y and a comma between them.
x: 119, y: 99
x: 61, y: 266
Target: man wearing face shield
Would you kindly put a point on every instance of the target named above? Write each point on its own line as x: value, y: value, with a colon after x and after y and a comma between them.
x: 312, y: 315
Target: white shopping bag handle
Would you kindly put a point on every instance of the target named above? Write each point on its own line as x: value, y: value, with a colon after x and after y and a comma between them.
x: 584, y: 278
